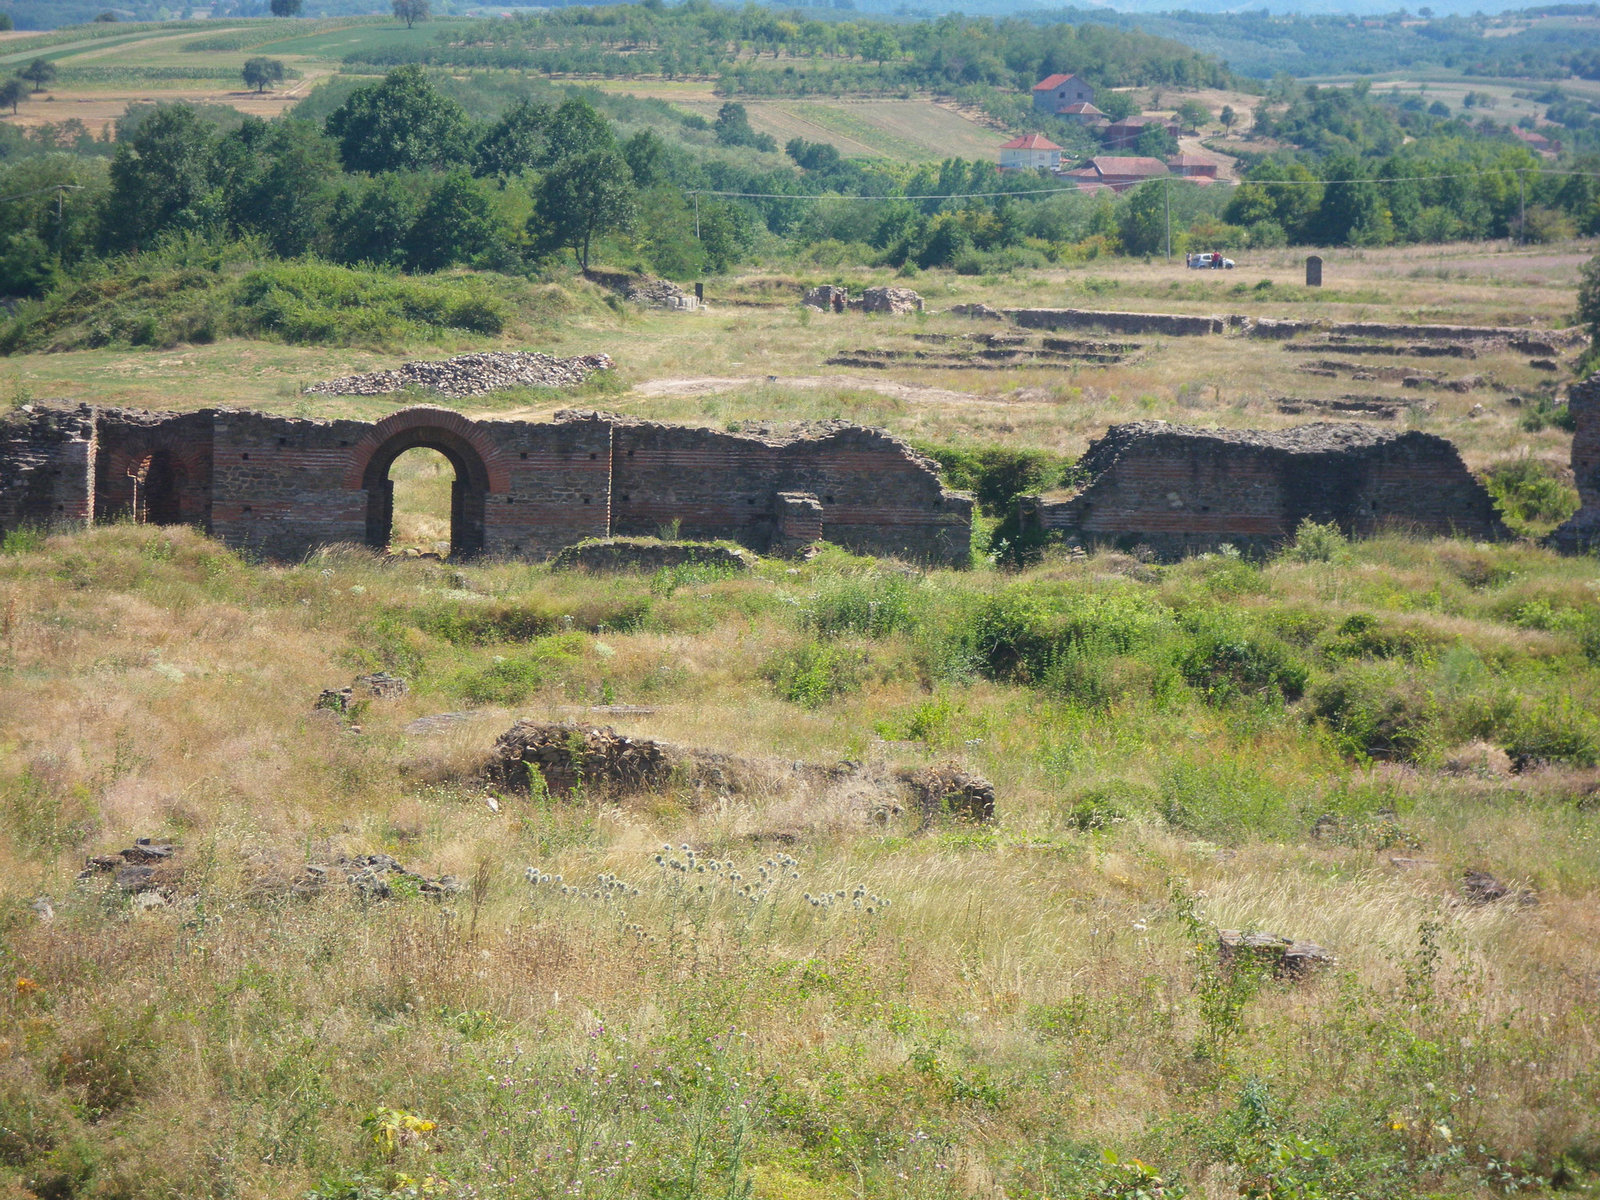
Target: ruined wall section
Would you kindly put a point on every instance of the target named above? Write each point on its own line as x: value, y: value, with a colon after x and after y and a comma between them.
x: 557, y: 488
x: 279, y: 483
x: 153, y: 466
x: 1181, y: 490
x: 47, y: 458
x: 1581, y: 534
x: 877, y: 496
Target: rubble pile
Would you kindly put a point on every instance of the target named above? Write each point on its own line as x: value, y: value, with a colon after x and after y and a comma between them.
x: 470, y: 374
x: 381, y: 686
x: 574, y: 759
x: 950, y: 790
x: 372, y: 877
x: 145, y: 866
x: 659, y: 293
x: 890, y: 300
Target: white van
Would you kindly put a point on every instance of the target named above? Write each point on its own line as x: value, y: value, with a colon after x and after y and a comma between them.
x: 1208, y: 261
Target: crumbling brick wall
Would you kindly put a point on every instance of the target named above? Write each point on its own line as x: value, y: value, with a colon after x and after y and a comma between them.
x: 1581, y: 533
x: 1181, y: 490
x: 282, y: 486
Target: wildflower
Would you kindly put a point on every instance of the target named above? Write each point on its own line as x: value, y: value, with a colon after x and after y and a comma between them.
x: 26, y: 986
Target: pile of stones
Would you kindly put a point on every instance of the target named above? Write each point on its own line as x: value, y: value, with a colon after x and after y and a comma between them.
x: 145, y: 866
x: 569, y: 759
x: 372, y: 877
x: 470, y: 374
x: 890, y: 300
x: 380, y: 686
x: 659, y: 293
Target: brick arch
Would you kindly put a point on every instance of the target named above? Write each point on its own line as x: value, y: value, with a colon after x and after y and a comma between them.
x: 179, y: 481
x: 438, y: 429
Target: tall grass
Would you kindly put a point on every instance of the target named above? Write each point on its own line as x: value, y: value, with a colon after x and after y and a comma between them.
x: 694, y: 995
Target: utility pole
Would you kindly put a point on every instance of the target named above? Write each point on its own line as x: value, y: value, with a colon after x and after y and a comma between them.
x: 697, y: 216
x: 1166, y: 198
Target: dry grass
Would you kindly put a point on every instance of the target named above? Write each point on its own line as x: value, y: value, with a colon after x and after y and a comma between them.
x: 1032, y: 993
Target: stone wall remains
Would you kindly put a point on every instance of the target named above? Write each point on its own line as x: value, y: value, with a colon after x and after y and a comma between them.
x: 281, y: 487
x: 1181, y: 490
x: 1116, y: 322
x: 1581, y: 534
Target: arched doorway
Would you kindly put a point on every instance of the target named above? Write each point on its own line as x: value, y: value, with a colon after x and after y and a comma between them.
x: 468, y: 492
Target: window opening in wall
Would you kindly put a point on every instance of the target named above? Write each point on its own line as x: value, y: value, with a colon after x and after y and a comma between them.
x: 422, y: 480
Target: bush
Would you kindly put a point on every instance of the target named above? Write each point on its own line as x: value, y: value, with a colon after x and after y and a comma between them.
x: 1028, y: 635
x: 872, y: 605
x: 1224, y: 663
x: 1530, y: 494
x: 1314, y: 542
x: 813, y: 673
x: 1364, y: 636
x: 1376, y: 712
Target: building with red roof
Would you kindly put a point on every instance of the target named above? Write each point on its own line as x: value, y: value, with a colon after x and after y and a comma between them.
x: 1028, y: 152
x: 1118, y: 173
x: 1055, y: 92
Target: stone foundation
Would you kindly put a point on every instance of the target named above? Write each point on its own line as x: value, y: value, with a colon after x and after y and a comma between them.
x: 1581, y: 534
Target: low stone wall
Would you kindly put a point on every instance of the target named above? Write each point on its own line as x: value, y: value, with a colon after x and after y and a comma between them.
x: 1170, y: 324
x: 1180, y: 490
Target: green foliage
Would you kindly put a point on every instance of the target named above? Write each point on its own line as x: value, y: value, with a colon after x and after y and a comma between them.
x: 303, y: 302
x: 582, y: 198
x: 258, y: 73
x: 401, y: 124
x: 514, y: 678
x: 1376, y: 711
x: 870, y: 604
x: 1546, y: 413
x: 1224, y: 661
x: 814, y: 672
x: 1531, y: 495
x: 997, y: 475
x: 1314, y: 542
x: 24, y: 539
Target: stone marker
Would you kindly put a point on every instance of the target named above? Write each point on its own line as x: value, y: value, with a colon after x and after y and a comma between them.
x: 1313, y: 270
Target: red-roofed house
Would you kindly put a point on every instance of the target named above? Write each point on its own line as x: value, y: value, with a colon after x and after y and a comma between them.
x: 1192, y: 166
x: 1084, y: 114
x: 1536, y: 142
x: 1119, y: 174
x: 1055, y: 93
x: 1030, y: 151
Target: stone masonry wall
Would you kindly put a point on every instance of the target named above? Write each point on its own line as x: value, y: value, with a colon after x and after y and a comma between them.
x: 282, y: 486
x: 1582, y: 532
x: 1182, y: 490
x: 46, y: 467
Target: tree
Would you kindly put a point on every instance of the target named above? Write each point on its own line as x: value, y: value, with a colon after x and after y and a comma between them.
x: 287, y: 8
x: 1156, y: 141
x: 40, y: 72
x: 577, y: 128
x: 411, y: 11
x: 161, y: 176
x: 516, y: 142
x: 582, y: 197
x: 1193, y: 115
x: 106, y: 18
x: 457, y: 224
x: 1143, y: 224
x: 1227, y: 116
x: 401, y: 124
x: 1589, y: 308
x: 282, y: 182
x: 13, y: 92
x: 259, y: 72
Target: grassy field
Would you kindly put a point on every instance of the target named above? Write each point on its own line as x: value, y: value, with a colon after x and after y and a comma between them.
x: 1320, y: 745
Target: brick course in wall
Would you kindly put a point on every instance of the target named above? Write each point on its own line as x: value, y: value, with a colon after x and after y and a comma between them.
x: 282, y: 486
x: 1181, y: 490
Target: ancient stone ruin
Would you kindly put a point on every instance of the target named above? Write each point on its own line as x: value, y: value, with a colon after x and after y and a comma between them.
x: 570, y: 759
x: 470, y: 374
x: 1581, y: 533
x: 893, y: 300
x: 1179, y: 490
x: 283, y: 486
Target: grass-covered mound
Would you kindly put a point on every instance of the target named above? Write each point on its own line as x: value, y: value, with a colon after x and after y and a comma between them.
x: 1320, y: 746
x: 149, y: 302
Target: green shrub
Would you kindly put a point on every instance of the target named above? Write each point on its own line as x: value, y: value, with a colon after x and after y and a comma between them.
x: 1025, y: 634
x: 874, y: 604
x: 997, y: 475
x: 24, y: 539
x: 1544, y: 413
x: 513, y: 679
x: 1223, y: 664
x: 1376, y: 712
x: 1314, y: 542
x: 1530, y: 494
x: 1365, y: 636
x: 813, y: 673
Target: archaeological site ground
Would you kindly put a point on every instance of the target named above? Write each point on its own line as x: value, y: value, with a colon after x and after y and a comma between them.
x: 1118, y: 731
